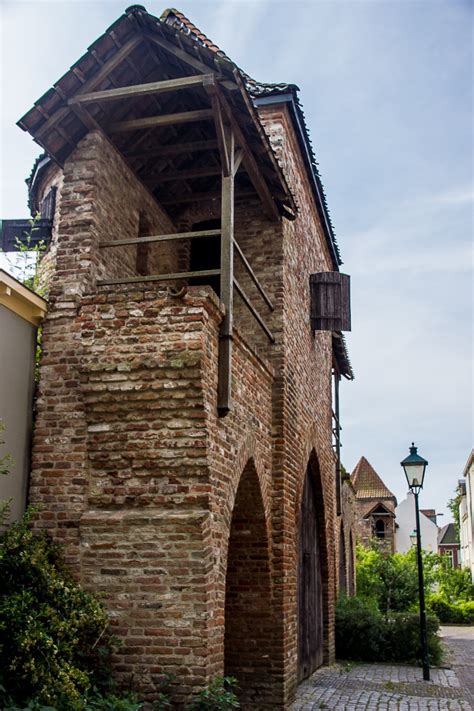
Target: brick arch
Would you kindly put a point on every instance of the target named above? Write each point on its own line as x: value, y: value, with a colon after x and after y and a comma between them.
x: 249, y: 625
x: 309, y: 451
x: 312, y: 506
x: 249, y: 451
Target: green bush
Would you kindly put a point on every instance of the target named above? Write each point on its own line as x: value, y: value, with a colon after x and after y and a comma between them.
x: 457, y: 613
x: 218, y: 696
x: 401, y: 632
x: 364, y: 634
x: 359, y: 627
x: 54, y: 640
x: 110, y: 702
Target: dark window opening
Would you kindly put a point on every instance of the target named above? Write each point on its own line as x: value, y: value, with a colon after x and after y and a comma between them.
x: 48, y: 205
x: 380, y: 529
x: 205, y: 254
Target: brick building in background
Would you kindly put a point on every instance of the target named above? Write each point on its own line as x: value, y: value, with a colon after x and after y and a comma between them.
x: 183, y: 445
x: 375, y: 505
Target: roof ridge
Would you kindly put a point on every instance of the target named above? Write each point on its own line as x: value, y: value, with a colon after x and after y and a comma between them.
x: 175, y: 18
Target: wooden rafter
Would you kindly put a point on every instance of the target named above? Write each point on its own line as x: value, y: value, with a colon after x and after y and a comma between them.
x: 250, y: 163
x: 175, y: 149
x: 186, y: 57
x: 164, y: 120
x: 168, y: 176
x: 137, y: 90
x: 201, y: 196
x: 94, y: 81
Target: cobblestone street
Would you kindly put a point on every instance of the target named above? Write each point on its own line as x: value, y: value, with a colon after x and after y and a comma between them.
x: 386, y: 687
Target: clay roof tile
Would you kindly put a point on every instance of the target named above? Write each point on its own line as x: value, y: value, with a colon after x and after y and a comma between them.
x: 367, y: 483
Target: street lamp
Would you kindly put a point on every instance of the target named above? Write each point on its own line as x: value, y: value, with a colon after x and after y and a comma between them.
x: 414, y: 467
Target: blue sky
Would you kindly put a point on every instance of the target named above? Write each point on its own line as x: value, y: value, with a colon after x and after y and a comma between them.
x: 387, y: 92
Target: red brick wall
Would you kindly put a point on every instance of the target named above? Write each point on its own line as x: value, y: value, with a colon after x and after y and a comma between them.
x: 167, y: 508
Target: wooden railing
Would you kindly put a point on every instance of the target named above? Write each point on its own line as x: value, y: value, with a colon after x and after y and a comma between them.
x: 228, y: 284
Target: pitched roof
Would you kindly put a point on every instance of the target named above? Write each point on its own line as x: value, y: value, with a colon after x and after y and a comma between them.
x: 174, y: 28
x: 448, y: 536
x: 367, y: 483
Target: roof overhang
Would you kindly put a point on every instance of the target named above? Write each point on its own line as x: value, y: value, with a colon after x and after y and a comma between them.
x: 169, y: 133
x: 20, y: 300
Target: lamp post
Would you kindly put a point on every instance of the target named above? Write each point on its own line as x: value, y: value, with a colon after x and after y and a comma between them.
x: 414, y: 467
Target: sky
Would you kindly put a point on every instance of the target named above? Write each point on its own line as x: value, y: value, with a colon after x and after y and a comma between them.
x: 387, y: 89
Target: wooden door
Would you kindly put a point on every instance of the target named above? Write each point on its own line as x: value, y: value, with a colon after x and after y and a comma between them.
x: 310, y: 586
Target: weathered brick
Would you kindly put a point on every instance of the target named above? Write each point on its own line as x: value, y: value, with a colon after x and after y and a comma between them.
x: 186, y: 521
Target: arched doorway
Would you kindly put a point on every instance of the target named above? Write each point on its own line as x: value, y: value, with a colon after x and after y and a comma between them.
x: 248, y: 606
x: 342, y: 562
x: 312, y: 574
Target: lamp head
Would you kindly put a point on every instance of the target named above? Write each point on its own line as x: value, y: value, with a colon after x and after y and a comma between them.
x: 414, y: 467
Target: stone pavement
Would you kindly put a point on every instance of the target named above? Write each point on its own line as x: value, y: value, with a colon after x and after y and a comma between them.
x: 459, y: 642
x: 387, y: 687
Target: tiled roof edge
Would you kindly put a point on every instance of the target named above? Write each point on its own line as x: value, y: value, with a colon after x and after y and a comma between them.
x: 272, y: 93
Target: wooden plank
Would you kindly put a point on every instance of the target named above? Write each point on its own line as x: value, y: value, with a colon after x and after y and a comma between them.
x: 224, y: 392
x: 210, y: 87
x: 167, y: 177
x: 181, y: 54
x: 160, y: 238
x: 164, y: 120
x: 251, y: 165
x: 253, y: 311
x: 137, y: 90
x: 91, y: 83
x: 211, y: 195
x: 175, y: 149
x: 252, y: 275
x: 84, y: 116
x: 158, y: 277
x: 239, y: 154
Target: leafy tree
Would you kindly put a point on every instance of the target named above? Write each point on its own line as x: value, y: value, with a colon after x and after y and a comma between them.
x: 453, y: 506
x: 391, y: 580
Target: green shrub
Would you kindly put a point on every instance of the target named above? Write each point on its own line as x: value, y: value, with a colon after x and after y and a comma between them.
x: 359, y: 627
x: 364, y: 634
x: 468, y: 611
x: 218, y: 696
x: 110, y: 702
x: 401, y: 632
x: 456, y: 613
x: 54, y: 643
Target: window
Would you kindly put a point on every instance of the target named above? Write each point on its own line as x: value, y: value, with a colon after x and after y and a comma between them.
x: 449, y: 555
x: 380, y: 528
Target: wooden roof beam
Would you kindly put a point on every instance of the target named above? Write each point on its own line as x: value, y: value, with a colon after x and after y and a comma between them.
x: 175, y: 149
x: 185, y: 57
x: 137, y: 90
x: 168, y: 176
x: 164, y: 120
x: 251, y: 165
x: 91, y: 83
